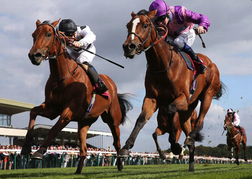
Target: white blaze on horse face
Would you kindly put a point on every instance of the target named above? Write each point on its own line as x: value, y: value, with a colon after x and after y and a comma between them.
x: 135, y: 22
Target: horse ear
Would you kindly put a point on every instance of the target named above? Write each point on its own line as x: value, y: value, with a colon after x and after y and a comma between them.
x: 55, y: 23
x: 133, y: 14
x: 38, y: 22
x: 152, y: 14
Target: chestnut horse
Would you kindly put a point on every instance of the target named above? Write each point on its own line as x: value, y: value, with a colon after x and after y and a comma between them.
x: 164, y: 125
x: 168, y: 81
x: 68, y: 94
x: 234, y: 138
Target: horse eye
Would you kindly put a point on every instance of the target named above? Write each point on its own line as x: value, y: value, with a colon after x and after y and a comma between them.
x: 49, y: 34
x: 145, y: 26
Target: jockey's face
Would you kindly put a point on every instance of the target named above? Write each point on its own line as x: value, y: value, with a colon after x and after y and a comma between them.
x: 162, y: 20
x: 229, y: 114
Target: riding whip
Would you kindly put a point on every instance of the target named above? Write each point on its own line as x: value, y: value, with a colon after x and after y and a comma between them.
x: 222, y: 132
x: 69, y: 40
x: 196, y: 30
x: 102, y: 57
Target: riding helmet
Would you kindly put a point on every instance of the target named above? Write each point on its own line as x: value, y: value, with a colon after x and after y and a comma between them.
x: 230, y: 110
x: 68, y: 26
x: 161, y: 6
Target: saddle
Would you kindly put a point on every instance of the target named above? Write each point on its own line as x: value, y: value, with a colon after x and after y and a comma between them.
x: 194, y: 66
x: 239, y: 129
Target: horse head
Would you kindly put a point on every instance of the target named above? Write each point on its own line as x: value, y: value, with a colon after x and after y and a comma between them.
x: 228, y: 123
x: 139, y: 32
x: 44, y: 38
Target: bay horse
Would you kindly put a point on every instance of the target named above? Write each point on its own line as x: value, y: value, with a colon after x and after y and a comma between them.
x: 168, y: 81
x: 234, y: 138
x: 164, y: 126
x: 68, y: 94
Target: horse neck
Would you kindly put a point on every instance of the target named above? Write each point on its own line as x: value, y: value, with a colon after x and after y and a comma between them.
x: 159, y: 56
x: 232, y: 130
x: 62, y: 67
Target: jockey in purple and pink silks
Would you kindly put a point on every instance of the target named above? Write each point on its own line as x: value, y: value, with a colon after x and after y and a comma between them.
x: 180, y: 22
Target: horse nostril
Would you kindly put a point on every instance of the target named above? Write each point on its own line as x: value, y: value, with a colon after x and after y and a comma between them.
x: 38, y: 55
x: 131, y: 46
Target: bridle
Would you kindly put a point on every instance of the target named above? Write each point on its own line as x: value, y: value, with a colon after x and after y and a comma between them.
x: 54, y: 39
x: 57, y: 36
x: 139, y: 48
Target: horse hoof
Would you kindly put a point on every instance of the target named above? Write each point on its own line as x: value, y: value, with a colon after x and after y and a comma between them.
x: 162, y: 156
x: 77, y: 173
x: 176, y: 148
x: 37, y: 155
x: 120, y: 168
x: 123, y: 153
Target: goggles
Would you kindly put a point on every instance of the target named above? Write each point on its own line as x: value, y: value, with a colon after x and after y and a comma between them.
x: 161, y: 18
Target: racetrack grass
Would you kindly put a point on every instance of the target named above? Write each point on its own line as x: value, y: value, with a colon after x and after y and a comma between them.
x: 202, y: 171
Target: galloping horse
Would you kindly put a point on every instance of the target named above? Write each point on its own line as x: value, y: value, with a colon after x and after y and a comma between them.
x: 164, y: 125
x: 234, y: 138
x: 168, y: 81
x: 68, y: 94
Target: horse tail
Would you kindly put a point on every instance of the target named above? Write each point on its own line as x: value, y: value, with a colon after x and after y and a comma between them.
x: 125, y: 105
x: 222, y: 90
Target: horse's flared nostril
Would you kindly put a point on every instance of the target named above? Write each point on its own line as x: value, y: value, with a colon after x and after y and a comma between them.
x: 129, y: 47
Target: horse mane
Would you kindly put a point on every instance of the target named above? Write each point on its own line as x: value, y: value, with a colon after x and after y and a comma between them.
x: 46, y: 22
x: 143, y: 12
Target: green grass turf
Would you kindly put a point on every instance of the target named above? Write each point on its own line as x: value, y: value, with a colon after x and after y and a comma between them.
x: 202, y: 171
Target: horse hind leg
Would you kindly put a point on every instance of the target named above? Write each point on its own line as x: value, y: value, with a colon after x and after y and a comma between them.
x: 244, y: 147
x: 154, y: 135
x: 115, y: 130
x: 237, y: 149
x: 83, y: 128
x: 175, y: 147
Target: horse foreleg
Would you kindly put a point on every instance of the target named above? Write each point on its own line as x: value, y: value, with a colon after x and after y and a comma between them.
x: 82, y: 135
x: 154, y: 135
x: 64, y: 119
x: 230, y: 153
x: 149, y: 107
x: 38, y: 110
x: 191, y: 157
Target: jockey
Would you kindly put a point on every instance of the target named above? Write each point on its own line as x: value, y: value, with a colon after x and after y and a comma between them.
x: 84, y: 38
x: 180, y: 22
x: 235, y: 118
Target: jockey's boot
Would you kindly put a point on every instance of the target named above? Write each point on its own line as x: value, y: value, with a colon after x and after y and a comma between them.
x: 98, y: 84
x: 187, y: 49
x: 240, y: 129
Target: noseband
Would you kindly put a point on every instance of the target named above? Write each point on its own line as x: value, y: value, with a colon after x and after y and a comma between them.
x: 140, y: 45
